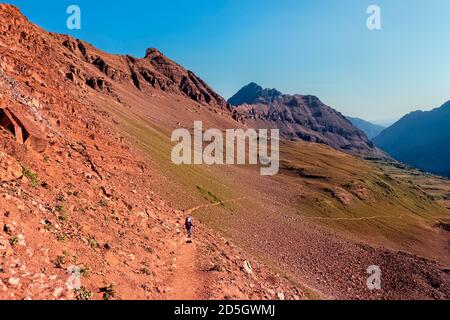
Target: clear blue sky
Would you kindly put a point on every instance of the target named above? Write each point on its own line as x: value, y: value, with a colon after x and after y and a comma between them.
x: 319, y: 47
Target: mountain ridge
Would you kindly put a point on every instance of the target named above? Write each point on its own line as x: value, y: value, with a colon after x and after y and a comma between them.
x: 370, y: 129
x: 417, y: 139
x: 302, y: 117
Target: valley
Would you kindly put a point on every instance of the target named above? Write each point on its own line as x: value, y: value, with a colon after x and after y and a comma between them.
x: 104, y: 195
x: 297, y: 219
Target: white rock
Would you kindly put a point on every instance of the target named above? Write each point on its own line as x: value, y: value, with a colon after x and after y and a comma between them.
x: 58, y: 292
x: 21, y: 239
x: 14, y: 281
x: 281, y: 296
x: 248, y: 267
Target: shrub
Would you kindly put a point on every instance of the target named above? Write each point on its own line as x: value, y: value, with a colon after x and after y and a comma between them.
x: 31, y: 176
x: 14, y: 240
x: 108, y: 292
x: 82, y: 294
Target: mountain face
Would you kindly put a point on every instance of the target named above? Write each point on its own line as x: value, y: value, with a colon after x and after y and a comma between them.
x: 420, y: 139
x: 155, y: 71
x: 371, y: 130
x: 176, y: 78
x: 77, y: 189
x: 300, y: 117
x: 252, y: 94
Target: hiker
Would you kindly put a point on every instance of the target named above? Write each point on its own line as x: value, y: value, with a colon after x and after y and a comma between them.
x: 189, y: 225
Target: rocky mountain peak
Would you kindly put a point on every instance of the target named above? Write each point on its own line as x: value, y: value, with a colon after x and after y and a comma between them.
x: 10, y: 10
x: 302, y: 117
x: 152, y: 53
x: 253, y: 93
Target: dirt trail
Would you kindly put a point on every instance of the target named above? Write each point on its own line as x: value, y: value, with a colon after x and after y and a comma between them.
x: 188, y: 281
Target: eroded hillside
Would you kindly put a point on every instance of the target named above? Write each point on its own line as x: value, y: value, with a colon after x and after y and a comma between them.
x: 87, y: 200
x: 104, y: 195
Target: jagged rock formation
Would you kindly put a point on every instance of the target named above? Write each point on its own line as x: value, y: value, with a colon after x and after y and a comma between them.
x: 155, y: 70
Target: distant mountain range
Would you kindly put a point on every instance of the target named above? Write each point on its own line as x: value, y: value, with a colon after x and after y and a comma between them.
x: 370, y: 129
x: 420, y: 139
x: 302, y: 117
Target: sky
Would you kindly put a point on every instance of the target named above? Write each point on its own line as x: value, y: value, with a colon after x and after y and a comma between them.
x: 320, y: 47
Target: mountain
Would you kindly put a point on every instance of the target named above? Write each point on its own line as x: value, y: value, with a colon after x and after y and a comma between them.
x: 300, y: 117
x: 87, y: 183
x: 420, y: 139
x: 253, y: 93
x: 371, y: 130
x: 78, y: 189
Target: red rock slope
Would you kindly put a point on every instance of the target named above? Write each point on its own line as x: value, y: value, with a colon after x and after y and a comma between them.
x: 86, y: 202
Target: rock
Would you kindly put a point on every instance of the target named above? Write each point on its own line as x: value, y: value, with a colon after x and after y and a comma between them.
x: 20, y: 205
x: 21, y: 240
x: 281, y: 296
x: 3, y: 244
x: 10, y: 169
x: 14, y: 282
x: 107, y: 191
x: 248, y: 267
x: 58, y: 292
x: 35, y: 103
x: 8, y: 229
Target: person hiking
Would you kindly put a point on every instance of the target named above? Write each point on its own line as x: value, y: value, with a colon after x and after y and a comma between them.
x: 189, y: 226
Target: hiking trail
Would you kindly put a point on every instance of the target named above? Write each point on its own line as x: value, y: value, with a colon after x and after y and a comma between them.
x: 188, y: 282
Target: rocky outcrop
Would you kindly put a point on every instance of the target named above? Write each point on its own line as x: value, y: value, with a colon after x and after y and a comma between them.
x: 155, y: 70
x: 24, y: 131
x: 168, y: 75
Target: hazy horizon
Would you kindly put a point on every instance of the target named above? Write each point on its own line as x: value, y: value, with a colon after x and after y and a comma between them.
x: 322, y: 48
